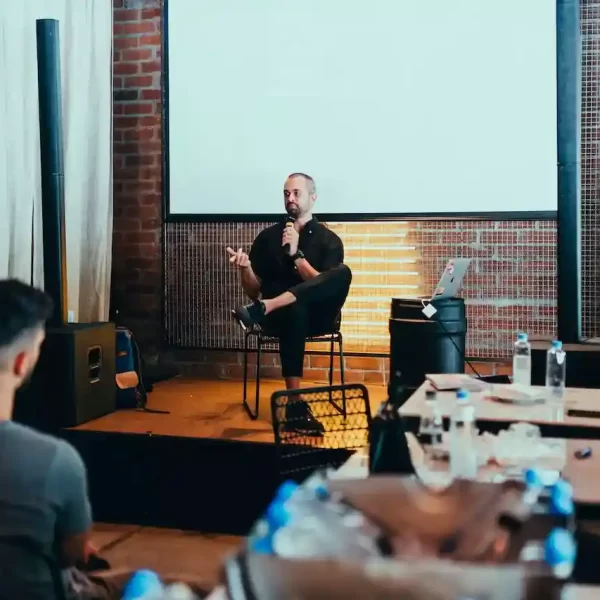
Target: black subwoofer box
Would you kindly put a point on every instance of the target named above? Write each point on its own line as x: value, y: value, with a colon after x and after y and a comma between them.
x: 74, y: 381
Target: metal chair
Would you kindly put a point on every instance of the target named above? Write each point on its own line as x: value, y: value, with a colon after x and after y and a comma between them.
x: 298, y: 453
x: 333, y: 337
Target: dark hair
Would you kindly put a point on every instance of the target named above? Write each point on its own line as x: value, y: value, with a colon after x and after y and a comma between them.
x: 22, y: 308
x: 312, y: 186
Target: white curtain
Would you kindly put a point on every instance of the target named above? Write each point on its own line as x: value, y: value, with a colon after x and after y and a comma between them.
x: 85, y: 29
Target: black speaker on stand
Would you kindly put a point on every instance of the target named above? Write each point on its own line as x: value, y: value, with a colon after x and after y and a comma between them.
x: 74, y: 380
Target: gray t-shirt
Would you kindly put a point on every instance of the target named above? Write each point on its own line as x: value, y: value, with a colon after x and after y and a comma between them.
x: 43, y: 498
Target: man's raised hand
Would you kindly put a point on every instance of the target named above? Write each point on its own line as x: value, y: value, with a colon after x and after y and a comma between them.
x: 239, y: 259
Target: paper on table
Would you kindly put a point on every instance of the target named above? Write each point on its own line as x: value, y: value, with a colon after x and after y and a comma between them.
x: 516, y: 394
x: 448, y: 382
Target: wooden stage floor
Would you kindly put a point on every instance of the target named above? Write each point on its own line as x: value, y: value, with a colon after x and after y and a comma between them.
x: 205, y: 409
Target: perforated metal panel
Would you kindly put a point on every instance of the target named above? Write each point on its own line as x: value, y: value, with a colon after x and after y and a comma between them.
x: 510, y: 286
x: 590, y: 163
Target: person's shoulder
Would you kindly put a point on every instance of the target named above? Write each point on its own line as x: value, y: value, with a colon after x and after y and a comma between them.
x: 268, y: 233
x: 329, y: 235
x: 270, y: 230
x: 56, y: 449
x: 68, y: 457
x: 37, y: 450
x: 30, y: 436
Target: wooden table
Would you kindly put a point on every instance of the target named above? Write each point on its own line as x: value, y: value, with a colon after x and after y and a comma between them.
x: 584, y: 475
x: 571, y: 592
x: 493, y: 415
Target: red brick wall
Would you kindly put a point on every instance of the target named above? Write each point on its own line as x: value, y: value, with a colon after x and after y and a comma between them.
x: 358, y: 369
x: 137, y: 278
x: 137, y: 262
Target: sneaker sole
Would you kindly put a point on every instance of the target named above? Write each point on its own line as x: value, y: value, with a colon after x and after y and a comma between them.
x: 243, y: 318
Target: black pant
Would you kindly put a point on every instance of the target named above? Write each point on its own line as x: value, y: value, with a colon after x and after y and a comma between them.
x: 318, y: 304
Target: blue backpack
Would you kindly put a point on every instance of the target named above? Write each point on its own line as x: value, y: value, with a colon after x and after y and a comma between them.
x: 131, y: 390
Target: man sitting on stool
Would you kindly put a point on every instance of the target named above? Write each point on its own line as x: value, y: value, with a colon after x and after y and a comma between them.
x: 298, y: 282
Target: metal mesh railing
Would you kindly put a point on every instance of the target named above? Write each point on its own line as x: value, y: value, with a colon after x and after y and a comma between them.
x: 300, y: 454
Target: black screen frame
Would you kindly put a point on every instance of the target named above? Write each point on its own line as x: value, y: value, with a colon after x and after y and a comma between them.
x: 168, y: 217
x: 567, y: 215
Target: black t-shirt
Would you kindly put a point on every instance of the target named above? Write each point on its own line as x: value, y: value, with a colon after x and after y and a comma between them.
x: 322, y: 248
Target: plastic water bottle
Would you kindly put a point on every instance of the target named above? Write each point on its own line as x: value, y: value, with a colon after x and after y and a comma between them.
x: 260, y: 539
x: 431, y: 426
x: 534, y: 486
x: 144, y: 585
x: 562, y: 504
x: 556, y: 371
x: 463, y: 449
x: 305, y: 522
x: 560, y: 552
x: 522, y: 361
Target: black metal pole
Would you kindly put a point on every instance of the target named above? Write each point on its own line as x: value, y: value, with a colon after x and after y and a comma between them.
x: 51, y: 155
x: 568, y: 74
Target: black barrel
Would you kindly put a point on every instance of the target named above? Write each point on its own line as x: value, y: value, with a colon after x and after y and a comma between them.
x: 420, y: 346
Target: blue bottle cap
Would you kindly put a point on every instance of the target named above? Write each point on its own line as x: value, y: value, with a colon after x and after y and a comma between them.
x: 321, y: 491
x: 141, y: 583
x: 277, y: 515
x: 462, y: 395
x: 286, y: 490
x: 533, y: 478
x: 262, y: 545
x: 559, y: 547
x: 561, y: 498
x: 557, y: 344
x: 563, y: 488
x: 562, y: 506
x: 522, y: 337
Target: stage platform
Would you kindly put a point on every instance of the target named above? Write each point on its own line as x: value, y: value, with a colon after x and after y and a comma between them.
x: 205, y: 466
x: 204, y: 409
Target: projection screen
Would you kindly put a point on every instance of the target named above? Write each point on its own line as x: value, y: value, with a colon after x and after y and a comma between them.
x: 395, y: 107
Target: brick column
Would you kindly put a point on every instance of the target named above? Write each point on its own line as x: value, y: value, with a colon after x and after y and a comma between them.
x: 137, y: 272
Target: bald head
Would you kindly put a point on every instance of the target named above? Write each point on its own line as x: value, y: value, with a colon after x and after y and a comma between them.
x: 299, y: 194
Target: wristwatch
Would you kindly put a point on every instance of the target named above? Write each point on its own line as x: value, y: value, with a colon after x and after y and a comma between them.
x: 299, y: 254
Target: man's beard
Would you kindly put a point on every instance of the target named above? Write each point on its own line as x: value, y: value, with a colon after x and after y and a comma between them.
x: 293, y: 210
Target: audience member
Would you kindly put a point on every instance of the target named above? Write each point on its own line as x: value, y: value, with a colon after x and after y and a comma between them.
x: 45, y: 516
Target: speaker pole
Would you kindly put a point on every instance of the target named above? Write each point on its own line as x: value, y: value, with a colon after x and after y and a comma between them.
x: 51, y: 155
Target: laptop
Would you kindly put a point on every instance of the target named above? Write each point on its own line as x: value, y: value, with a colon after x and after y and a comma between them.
x: 452, y: 278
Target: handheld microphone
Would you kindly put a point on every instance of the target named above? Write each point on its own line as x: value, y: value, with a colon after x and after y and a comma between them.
x: 289, y: 222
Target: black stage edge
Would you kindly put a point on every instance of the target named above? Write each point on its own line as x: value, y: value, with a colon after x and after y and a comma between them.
x: 52, y: 170
x: 209, y: 485
x: 568, y: 73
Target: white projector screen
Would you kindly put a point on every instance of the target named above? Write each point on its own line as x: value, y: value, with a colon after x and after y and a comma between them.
x: 393, y: 106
